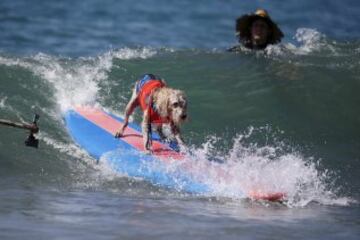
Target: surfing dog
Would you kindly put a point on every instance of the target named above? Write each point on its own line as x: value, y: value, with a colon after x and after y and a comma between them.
x: 160, y: 105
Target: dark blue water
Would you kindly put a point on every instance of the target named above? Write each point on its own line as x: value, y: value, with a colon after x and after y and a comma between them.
x: 79, y: 28
x: 287, y: 118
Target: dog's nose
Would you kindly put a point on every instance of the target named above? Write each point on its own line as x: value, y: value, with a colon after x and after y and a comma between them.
x: 183, y: 117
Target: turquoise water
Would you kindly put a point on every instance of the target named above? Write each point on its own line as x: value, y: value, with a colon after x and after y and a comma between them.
x: 287, y: 118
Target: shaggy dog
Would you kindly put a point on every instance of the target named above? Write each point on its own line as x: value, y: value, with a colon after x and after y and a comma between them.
x: 160, y: 105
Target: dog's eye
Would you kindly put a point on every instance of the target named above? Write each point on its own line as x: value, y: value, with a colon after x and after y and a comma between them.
x: 175, y: 105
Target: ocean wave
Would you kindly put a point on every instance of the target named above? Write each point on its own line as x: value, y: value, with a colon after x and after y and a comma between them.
x: 248, y: 168
x: 310, y: 42
x: 268, y: 168
x: 250, y: 87
x: 138, y: 53
x: 75, y: 81
x: 2, y: 102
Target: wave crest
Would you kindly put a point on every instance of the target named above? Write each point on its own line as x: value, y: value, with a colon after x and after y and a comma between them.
x: 269, y: 168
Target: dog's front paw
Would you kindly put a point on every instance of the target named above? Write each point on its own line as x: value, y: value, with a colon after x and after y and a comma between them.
x: 118, y: 134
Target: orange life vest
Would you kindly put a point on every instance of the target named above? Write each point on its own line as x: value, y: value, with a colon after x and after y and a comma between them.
x: 145, y: 88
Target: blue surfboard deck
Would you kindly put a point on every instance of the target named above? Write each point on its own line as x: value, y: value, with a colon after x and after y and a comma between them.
x: 93, y: 130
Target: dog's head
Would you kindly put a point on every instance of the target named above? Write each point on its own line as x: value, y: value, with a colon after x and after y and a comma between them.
x: 177, y: 106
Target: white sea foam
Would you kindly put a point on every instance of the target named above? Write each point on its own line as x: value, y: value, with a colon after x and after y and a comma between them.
x: 2, y: 101
x: 76, y: 81
x: 308, y: 41
x: 248, y: 168
x: 129, y: 53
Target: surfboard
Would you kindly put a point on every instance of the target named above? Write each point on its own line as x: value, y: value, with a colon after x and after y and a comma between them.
x: 93, y: 129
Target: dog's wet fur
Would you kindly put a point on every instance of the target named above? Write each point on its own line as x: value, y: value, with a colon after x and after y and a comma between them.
x: 169, y: 103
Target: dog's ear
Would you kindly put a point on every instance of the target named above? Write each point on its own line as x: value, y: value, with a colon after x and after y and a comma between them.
x: 162, y: 101
x: 163, y: 81
x: 168, y: 105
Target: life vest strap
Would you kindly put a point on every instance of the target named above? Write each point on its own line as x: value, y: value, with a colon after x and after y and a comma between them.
x: 144, y: 80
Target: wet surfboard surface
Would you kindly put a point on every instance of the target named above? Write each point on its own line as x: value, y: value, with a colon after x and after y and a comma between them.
x: 93, y: 129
